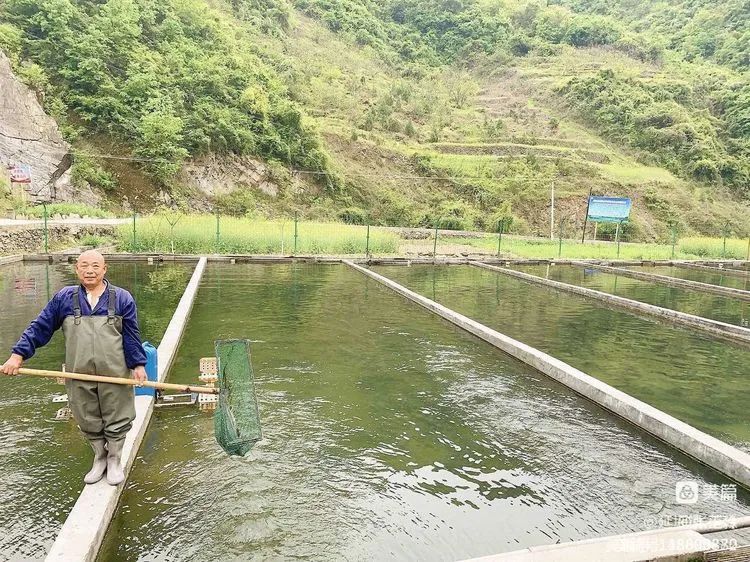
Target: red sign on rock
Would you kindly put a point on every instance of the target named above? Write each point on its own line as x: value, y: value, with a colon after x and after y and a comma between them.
x: 20, y: 173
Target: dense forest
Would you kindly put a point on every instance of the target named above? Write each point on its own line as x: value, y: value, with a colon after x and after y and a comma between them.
x: 170, y: 80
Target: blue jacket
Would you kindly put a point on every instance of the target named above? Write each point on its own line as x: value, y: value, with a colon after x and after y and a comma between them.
x: 51, y: 319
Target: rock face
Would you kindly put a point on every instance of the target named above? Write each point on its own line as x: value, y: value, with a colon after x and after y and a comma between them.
x: 219, y: 175
x: 29, y: 136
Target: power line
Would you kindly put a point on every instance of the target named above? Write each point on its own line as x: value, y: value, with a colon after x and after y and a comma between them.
x: 321, y: 173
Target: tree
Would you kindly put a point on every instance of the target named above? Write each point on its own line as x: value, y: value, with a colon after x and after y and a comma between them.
x: 159, y: 141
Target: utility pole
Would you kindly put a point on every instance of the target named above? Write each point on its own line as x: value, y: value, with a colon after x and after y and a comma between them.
x: 586, y: 218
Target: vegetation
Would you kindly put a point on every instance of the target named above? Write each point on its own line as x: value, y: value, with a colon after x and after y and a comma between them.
x: 94, y: 241
x: 173, y: 232
x: 520, y: 247
x: 455, y: 113
x: 698, y: 29
x: 66, y: 210
x: 196, y: 234
x: 172, y: 79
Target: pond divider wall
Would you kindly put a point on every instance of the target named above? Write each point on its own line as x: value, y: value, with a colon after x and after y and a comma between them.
x: 10, y: 259
x: 83, y: 531
x: 707, y: 449
x: 712, y: 327
x: 710, y: 269
x: 684, y: 542
x: 672, y: 281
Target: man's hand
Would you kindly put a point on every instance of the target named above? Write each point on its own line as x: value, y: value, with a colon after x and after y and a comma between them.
x: 11, y: 366
x: 139, y: 374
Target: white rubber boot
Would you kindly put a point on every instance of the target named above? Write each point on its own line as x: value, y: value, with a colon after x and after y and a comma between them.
x: 100, y: 462
x: 115, y: 474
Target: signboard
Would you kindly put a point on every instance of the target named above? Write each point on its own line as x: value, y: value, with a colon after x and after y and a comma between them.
x: 608, y: 209
x: 20, y: 173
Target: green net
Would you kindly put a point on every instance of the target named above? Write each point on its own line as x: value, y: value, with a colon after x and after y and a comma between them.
x: 237, y: 420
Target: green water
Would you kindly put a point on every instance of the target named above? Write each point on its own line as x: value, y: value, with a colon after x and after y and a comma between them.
x: 700, y: 275
x: 708, y: 305
x: 699, y: 380
x: 389, y: 434
x: 42, y: 462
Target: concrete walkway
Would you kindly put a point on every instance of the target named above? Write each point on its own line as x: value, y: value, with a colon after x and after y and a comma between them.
x: 715, y: 328
x: 635, y: 547
x: 717, y: 270
x: 671, y: 281
x: 668, y: 544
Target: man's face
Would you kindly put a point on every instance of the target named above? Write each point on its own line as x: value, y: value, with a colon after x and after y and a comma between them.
x: 90, y: 269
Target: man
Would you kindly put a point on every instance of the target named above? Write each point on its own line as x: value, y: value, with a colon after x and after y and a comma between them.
x: 101, y: 338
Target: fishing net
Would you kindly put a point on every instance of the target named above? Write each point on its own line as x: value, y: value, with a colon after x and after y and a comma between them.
x: 237, y: 420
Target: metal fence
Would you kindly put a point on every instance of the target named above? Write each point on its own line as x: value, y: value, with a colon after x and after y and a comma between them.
x: 176, y: 232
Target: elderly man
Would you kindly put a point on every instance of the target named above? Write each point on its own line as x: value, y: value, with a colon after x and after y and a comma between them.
x: 101, y: 338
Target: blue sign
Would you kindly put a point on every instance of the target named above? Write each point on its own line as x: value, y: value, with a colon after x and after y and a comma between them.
x: 609, y: 209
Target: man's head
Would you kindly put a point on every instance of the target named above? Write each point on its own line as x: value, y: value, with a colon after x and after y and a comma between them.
x: 90, y: 268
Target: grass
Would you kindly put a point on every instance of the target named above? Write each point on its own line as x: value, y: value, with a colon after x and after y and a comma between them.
x: 631, y: 173
x: 196, y: 234
x: 94, y: 241
x: 80, y: 209
x: 702, y: 247
x: 686, y: 248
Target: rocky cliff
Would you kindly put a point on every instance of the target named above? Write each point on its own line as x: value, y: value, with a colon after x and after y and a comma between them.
x: 29, y: 136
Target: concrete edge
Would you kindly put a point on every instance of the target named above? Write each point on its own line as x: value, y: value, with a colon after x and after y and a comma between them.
x: 664, y: 544
x: 709, y: 450
x: 325, y: 259
x: 718, y: 270
x: 713, y: 327
x: 528, y: 554
x: 83, y: 531
x: 70, y: 257
x: 11, y: 259
x: 673, y: 281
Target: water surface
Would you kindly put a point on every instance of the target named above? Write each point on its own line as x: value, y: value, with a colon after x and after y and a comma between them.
x: 389, y: 434
x: 700, y: 275
x: 699, y: 303
x: 702, y: 381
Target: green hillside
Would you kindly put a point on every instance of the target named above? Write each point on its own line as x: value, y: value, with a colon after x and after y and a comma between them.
x: 406, y: 112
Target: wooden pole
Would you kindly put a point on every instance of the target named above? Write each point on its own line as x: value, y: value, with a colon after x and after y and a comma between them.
x: 118, y: 380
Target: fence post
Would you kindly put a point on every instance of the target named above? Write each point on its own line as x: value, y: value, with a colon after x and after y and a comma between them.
x: 560, y: 239
x: 296, y: 220
x: 46, y: 232
x: 134, y: 239
x: 367, y: 247
x: 500, y: 228
x: 434, y: 247
x: 725, y: 233
x: 617, y: 237
x: 674, y: 239
x: 218, y: 232
x: 747, y: 258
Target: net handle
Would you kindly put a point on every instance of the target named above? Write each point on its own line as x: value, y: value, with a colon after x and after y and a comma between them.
x: 118, y: 380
